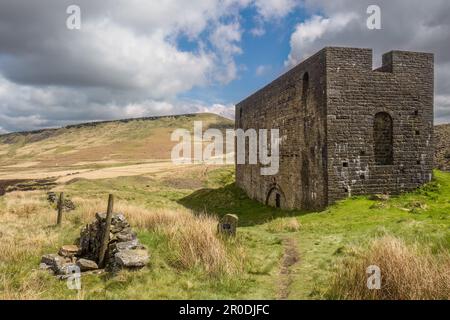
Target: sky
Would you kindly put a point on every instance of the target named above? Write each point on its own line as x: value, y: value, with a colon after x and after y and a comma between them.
x: 136, y: 58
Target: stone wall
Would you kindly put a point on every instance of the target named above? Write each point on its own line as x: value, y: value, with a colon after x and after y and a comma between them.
x: 294, y: 104
x: 402, y: 89
x: 332, y: 146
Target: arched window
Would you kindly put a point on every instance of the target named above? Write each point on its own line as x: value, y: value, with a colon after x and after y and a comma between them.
x: 383, y: 139
x: 305, y: 89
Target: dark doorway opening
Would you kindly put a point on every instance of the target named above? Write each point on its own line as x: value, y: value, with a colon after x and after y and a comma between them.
x: 278, y: 200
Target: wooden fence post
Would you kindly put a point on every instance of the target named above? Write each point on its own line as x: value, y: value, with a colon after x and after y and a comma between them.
x: 105, y: 240
x: 60, y: 208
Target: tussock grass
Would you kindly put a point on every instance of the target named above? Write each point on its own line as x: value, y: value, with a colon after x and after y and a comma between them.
x: 408, y: 273
x: 192, y: 239
x: 24, y: 226
x: 25, y: 231
x: 24, y: 204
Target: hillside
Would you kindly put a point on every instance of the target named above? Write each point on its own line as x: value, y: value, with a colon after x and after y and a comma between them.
x: 442, y: 147
x: 100, y: 142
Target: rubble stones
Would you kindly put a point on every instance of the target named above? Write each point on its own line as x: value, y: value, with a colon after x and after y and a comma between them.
x: 53, y: 261
x: 68, y: 204
x: 67, y: 269
x: 123, y: 251
x: 52, y: 197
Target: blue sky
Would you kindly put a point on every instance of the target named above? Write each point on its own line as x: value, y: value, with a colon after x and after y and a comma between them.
x: 137, y: 58
x: 267, y: 52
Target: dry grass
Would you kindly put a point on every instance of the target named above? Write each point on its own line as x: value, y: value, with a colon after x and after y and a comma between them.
x: 30, y: 288
x: 23, y: 204
x: 408, y: 273
x: 195, y: 243
x: 25, y: 231
x: 283, y: 225
x: 192, y: 239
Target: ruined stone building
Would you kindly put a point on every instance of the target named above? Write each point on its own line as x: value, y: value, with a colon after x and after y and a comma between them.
x: 345, y: 128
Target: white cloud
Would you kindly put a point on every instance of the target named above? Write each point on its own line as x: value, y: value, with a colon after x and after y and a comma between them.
x: 262, y: 69
x: 225, y: 39
x: 269, y: 9
x: 226, y: 111
x: 147, y: 63
x: 258, y: 31
x: 312, y: 30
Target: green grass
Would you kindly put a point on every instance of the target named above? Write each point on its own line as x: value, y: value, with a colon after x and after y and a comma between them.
x: 323, y: 238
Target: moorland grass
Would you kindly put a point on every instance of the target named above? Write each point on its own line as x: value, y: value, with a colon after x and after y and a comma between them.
x: 189, y: 261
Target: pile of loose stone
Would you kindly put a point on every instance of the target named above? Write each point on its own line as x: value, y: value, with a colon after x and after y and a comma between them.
x: 68, y: 204
x: 123, y: 251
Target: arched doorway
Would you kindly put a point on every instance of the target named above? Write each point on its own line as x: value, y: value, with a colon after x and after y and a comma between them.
x: 275, y: 197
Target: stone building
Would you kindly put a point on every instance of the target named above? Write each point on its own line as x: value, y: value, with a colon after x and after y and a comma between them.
x: 345, y: 128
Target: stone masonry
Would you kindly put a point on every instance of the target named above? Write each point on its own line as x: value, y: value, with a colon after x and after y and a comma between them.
x: 345, y: 128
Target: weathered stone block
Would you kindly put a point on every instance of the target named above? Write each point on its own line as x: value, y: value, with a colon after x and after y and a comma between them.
x: 228, y: 225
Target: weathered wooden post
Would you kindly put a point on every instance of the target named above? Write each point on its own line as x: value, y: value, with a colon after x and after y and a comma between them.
x: 105, y: 240
x: 60, y: 207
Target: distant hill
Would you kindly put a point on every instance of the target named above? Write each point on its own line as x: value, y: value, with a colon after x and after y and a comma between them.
x: 442, y: 147
x: 121, y: 140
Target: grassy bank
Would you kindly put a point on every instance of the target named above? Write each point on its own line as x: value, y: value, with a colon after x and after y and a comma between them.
x: 176, y: 215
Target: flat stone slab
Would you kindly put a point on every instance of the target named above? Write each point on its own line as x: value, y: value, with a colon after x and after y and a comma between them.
x: 69, y: 250
x: 86, y: 265
x: 127, y: 245
x: 132, y: 258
